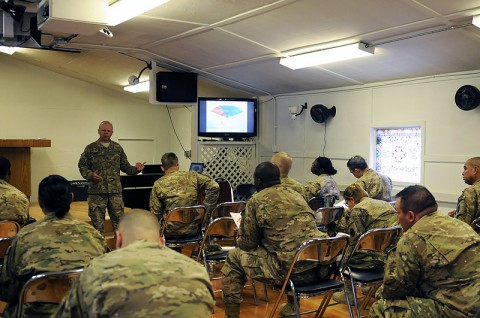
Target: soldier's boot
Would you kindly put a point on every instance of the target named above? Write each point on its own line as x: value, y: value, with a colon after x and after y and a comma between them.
x: 339, y: 297
x: 232, y: 310
x: 287, y: 309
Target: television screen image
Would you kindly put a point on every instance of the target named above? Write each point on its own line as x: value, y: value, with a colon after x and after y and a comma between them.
x: 227, y: 118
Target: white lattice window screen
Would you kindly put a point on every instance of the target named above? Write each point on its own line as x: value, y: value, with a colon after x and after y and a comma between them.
x: 236, y: 162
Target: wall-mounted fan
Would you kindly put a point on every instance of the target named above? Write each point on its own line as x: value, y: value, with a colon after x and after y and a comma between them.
x: 320, y: 113
x: 467, y: 97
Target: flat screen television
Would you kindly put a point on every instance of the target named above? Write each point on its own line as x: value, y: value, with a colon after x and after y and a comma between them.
x: 227, y: 117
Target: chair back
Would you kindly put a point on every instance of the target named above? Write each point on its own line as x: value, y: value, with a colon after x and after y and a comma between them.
x: 380, y: 240
x: 244, y: 191
x: 186, y: 215
x: 47, y: 288
x: 221, y: 229
x: 9, y: 228
x: 316, y: 203
x: 226, y: 193
x: 225, y: 208
x: 5, y: 242
x: 325, y: 216
x: 476, y: 225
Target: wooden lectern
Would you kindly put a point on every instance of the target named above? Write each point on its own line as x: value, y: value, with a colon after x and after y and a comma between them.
x: 18, y: 152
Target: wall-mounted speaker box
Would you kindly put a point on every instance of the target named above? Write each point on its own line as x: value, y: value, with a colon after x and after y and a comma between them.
x: 176, y: 87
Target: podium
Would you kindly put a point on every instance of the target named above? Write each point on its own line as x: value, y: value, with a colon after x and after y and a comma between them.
x: 18, y: 152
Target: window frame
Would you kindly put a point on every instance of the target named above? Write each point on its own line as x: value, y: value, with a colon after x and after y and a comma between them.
x: 373, y: 142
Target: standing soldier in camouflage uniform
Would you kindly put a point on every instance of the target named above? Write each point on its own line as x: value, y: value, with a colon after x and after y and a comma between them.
x: 364, y: 214
x: 13, y: 203
x: 468, y: 208
x: 284, y: 162
x: 100, y: 164
x: 277, y: 220
x: 58, y: 242
x: 141, y: 278
x: 180, y: 189
x: 377, y: 185
x: 435, y: 270
x: 323, y: 185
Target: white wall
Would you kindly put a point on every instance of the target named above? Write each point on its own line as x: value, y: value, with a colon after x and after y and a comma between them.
x: 451, y: 135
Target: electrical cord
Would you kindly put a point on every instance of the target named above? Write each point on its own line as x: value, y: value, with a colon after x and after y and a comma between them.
x: 178, y: 138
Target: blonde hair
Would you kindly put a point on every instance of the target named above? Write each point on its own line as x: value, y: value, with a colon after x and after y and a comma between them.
x: 283, y: 161
x: 355, y: 192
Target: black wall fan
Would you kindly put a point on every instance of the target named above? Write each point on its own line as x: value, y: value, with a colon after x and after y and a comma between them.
x: 467, y: 97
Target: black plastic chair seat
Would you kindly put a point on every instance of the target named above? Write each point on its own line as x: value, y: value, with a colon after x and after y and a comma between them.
x: 319, y: 287
x: 366, y: 276
x: 184, y: 240
x: 220, y: 257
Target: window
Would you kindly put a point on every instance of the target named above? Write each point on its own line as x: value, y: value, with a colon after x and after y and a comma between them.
x: 398, y: 153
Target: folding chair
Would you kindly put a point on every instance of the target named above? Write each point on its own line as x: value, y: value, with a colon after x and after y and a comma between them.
x: 327, y: 219
x: 378, y: 241
x: 47, y: 288
x: 9, y: 228
x: 244, y: 191
x: 5, y: 242
x: 476, y: 225
x: 323, y: 251
x: 222, y: 232
x: 226, y: 193
x: 316, y: 203
x: 223, y: 209
x: 191, y: 215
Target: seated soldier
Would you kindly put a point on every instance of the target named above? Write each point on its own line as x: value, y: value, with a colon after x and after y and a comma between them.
x: 180, y: 189
x: 324, y: 185
x: 284, y: 163
x: 56, y: 243
x: 141, y: 278
x: 276, y: 221
x: 435, y: 269
x: 364, y: 214
x: 377, y: 185
x: 13, y: 203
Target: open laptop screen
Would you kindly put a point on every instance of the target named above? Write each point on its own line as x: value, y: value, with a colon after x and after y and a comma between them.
x: 197, y: 167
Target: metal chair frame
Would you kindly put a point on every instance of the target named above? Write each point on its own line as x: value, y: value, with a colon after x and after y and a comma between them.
x: 223, y: 209
x: 316, y: 203
x: 225, y: 193
x: 185, y: 215
x: 47, y: 288
x: 324, y: 251
x: 329, y: 215
x: 476, y: 225
x: 9, y: 228
x: 380, y: 240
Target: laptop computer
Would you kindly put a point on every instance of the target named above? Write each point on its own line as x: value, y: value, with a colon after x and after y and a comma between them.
x: 197, y: 167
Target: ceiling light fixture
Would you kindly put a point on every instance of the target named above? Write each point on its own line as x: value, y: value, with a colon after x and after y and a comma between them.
x: 137, y: 88
x: 325, y: 56
x: 124, y: 10
x: 8, y: 49
x: 476, y: 20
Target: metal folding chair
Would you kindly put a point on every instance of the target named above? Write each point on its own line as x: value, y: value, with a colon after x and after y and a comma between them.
x: 476, y: 225
x: 327, y: 219
x: 244, y: 191
x: 380, y: 240
x: 225, y: 208
x: 316, y: 203
x: 9, y: 228
x: 47, y: 288
x: 225, y: 193
x: 322, y: 251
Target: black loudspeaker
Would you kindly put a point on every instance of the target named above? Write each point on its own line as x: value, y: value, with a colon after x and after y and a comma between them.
x: 320, y: 113
x: 176, y: 87
x: 467, y: 97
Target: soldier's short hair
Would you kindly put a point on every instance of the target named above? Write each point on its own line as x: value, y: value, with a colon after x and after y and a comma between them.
x: 475, y: 161
x: 55, y: 194
x: 268, y: 173
x: 283, y: 161
x: 169, y: 160
x: 416, y: 198
x: 357, y: 162
x: 4, y: 167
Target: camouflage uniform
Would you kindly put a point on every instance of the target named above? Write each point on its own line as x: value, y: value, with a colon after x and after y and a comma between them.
x: 377, y: 185
x: 367, y: 215
x: 324, y: 185
x: 13, y: 203
x: 49, y: 245
x: 294, y: 184
x: 143, y: 279
x: 107, y: 194
x: 434, y: 272
x: 467, y: 207
x: 180, y: 189
x: 276, y: 221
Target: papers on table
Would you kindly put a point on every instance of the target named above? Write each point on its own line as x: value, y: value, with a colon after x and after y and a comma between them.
x: 237, y: 217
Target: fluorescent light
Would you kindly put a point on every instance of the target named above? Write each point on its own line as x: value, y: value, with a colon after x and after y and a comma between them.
x: 476, y: 20
x: 124, y: 10
x: 8, y: 49
x: 140, y: 87
x: 335, y: 54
